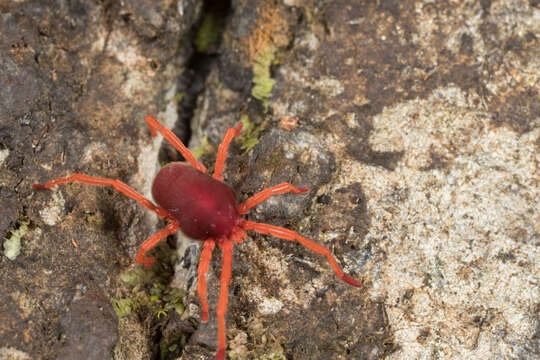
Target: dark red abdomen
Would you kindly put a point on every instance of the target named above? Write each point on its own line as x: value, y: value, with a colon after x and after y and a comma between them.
x: 204, y: 206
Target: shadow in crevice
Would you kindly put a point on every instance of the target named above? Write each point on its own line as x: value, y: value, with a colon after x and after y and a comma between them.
x: 204, y: 54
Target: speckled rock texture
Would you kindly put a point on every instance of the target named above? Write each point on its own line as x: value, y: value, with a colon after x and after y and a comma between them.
x: 417, y: 128
x: 415, y: 124
x: 76, y: 79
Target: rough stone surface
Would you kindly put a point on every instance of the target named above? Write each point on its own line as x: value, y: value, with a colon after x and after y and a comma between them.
x: 77, y: 78
x: 8, y: 353
x: 418, y: 133
x: 416, y: 127
x: 84, y: 325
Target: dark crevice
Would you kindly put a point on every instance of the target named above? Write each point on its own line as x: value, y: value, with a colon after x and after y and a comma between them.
x: 192, y: 82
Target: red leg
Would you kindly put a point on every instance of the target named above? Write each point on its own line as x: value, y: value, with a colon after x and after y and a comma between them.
x: 293, y: 236
x: 176, y: 142
x: 226, y: 249
x: 117, y: 184
x: 204, y: 264
x: 152, y: 241
x: 222, y: 150
x: 238, y: 235
x: 266, y: 193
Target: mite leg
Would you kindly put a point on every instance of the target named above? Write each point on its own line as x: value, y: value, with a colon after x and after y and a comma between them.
x: 294, y: 236
x: 226, y: 249
x: 238, y: 235
x: 266, y: 193
x: 176, y: 142
x: 116, y: 184
x: 222, y: 150
x: 152, y: 241
x: 204, y: 264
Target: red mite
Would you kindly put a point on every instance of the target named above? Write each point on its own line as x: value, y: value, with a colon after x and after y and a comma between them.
x: 205, y: 209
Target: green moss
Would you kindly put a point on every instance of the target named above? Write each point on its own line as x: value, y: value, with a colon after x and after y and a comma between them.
x: 165, y: 298
x: 209, y: 32
x: 148, y: 289
x: 249, y: 137
x: 135, y: 276
x: 174, y: 300
x: 204, y: 149
x: 262, y: 79
x: 122, y: 307
x: 12, y: 245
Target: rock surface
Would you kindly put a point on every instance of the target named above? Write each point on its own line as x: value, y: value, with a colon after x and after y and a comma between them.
x: 77, y: 78
x: 415, y: 124
x: 418, y: 132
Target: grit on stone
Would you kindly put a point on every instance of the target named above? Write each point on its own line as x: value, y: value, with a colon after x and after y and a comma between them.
x: 459, y: 252
x: 418, y: 132
x: 415, y: 124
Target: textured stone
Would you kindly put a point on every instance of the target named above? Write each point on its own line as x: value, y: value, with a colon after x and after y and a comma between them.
x: 77, y: 79
x: 418, y: 133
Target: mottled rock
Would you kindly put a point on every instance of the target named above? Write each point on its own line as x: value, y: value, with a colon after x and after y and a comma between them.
x: 77, y: 79
x: 430, y: 114
x: 88, y: 329
x: 417, y: 131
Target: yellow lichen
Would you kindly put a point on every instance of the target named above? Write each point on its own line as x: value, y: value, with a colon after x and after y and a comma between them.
x: 12, y: 245
x: 249, y: 137
x: 262, y: 78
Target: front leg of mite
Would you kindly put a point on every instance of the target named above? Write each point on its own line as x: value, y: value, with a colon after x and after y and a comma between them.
x: 141, y: 258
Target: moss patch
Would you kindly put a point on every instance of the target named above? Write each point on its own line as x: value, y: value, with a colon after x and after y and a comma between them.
x: 148, y: 290
x: 249, y: 137
x: 123, y: 307
x: 209, y: 33
x: 203, y: 149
